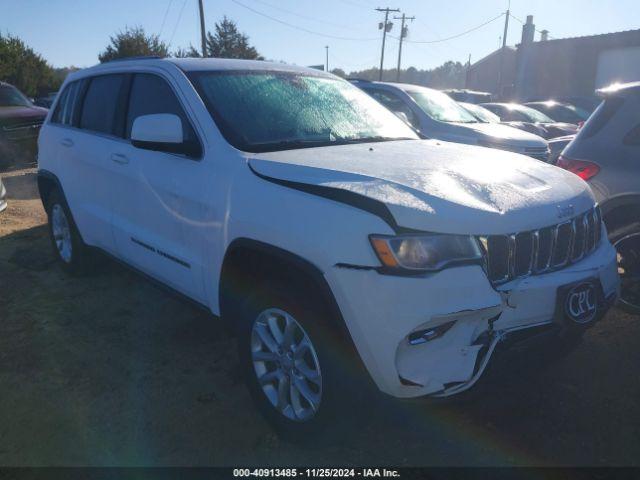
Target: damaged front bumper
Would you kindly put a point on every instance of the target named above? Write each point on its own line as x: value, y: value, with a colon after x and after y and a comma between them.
x: 435, y: 334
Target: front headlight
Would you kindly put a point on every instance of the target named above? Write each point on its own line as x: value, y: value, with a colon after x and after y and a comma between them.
x: 426, y: 252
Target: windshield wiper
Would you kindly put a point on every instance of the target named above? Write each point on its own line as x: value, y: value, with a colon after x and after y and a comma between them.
x: 346, y: 141
x: 320, y: 142
x: 292, y: 144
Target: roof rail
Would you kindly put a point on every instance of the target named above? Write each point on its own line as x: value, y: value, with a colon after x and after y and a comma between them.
x: 140, y: 57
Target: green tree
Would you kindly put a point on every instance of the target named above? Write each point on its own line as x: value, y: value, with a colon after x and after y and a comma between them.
x: 24, y: 68
x: 448, y: 75
x: 229, y: 42
x: 134, y: 42
x: 190, y: 52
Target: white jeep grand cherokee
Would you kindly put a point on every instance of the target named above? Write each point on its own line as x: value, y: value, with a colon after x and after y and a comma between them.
x: 318, y: 226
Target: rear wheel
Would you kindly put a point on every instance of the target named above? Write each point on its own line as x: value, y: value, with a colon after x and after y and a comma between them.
x: 69, y: 249
x: 626, y: 241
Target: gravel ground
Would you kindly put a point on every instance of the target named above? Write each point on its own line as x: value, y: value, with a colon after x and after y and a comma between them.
x: 109, y: 369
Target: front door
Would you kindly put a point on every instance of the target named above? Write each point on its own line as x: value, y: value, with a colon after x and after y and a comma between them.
x: 160, y: 200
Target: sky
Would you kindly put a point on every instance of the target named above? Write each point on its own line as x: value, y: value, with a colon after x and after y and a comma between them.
x: 73, y: 32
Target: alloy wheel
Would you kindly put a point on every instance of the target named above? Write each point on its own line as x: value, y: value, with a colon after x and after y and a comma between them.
x: 61, y: 233
x: 286, y: 364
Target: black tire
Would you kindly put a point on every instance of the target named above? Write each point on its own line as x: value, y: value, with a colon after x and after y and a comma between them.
x: 78, y: 258
x: 626, y: 239
x: 339, y: 392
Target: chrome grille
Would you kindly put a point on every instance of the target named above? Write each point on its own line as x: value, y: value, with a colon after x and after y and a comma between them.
x: 538, y: 251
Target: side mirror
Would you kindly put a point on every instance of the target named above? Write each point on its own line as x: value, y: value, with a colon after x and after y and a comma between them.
x: 162, y: 132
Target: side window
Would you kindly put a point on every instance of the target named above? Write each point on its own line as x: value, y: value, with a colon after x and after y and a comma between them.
x: 67, y: 106
x: 395, y: 104
x: 100, y: 103
x: 598, y: 119
x: 151, y: 94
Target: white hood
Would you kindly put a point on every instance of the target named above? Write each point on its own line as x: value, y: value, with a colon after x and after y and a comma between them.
x: 437, y: 186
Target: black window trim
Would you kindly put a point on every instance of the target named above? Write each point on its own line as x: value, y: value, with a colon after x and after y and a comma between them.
x: 125, y: 112
x: 123, y: 108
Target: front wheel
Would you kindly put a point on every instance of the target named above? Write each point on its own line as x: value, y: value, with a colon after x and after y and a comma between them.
x: 626, y: 241
x: 289, y: 357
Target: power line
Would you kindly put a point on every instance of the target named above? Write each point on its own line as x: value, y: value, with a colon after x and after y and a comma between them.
x: 177, y: 22
x: 164, y: 19
x: 459, y: 34
x: 539, y: 31
x: 302, y: 29
x: 356, y: 4
x: 305, y: 17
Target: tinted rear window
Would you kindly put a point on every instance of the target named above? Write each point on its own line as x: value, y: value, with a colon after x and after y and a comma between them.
x: 601, y: 116
x: 100, y: 103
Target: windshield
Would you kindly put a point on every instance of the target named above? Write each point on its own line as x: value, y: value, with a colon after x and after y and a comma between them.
x: 481, y: 113
x: 441, y: 107
x: 11, y: 97
x: 269, y: 111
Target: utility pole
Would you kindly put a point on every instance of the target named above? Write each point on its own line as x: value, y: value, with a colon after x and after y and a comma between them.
x: 385, y: 27
x: 403, y: 33
x: 203, y: 36
x: 504, y: 46
x: 327, y: 58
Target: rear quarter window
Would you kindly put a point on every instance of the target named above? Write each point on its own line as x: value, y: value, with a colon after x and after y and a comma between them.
x: 603, y: 114
x: 67, y: 108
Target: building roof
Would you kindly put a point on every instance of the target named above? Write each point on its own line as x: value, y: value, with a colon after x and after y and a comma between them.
x: 614, y: 37
x: 597, y: 37
x: 508, y: 49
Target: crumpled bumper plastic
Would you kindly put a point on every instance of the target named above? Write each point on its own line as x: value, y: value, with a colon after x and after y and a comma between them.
x: 382, y: 311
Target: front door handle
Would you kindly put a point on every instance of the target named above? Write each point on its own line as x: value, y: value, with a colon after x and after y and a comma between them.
x: 119, y: 158
x: 66, y: 142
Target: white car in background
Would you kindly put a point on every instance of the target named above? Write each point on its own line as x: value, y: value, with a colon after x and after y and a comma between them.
x: 334, y: 242
x: 436, y: 115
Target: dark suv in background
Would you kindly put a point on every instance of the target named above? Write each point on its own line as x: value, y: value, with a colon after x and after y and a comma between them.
x: 606, y: 153
x: 20, y: 123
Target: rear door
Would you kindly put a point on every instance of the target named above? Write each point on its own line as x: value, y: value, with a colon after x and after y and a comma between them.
x: 88, y: 115
x: 160, y: 200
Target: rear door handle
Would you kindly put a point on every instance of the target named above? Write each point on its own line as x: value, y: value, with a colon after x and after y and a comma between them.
x: 119, y: 158
x: 66, y: 142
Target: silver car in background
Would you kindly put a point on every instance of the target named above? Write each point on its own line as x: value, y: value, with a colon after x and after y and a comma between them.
x: 436, y: 115
x: 606, y: 153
